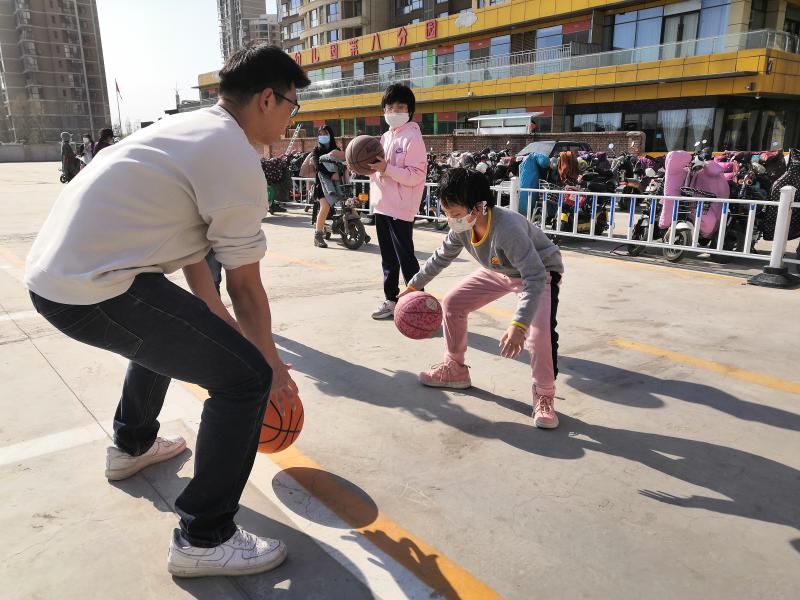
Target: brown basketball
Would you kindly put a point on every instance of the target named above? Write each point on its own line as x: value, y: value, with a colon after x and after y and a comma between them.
x: 361, y: 152
x: 280, y: 428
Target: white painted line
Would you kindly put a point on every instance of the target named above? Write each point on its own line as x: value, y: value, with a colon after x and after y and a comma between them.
x: 19, y: 315
x: 385, y: 577
x: 55, y: 442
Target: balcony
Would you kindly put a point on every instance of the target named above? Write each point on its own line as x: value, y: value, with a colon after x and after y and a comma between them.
x: 548, y: 60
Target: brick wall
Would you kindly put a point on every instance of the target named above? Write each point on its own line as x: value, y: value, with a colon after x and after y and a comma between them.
x: 632, y: 141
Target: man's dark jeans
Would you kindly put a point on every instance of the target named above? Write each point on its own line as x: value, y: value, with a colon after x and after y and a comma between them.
x: 167, y: 332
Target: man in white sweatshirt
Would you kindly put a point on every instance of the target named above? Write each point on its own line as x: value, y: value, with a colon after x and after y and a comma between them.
x: 147, y: 206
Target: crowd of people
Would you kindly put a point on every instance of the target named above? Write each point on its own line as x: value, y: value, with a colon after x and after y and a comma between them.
x: 163, y: 198
x: 74, y: 159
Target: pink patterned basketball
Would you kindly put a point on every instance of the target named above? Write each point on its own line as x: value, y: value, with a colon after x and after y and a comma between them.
x: 418, y: 315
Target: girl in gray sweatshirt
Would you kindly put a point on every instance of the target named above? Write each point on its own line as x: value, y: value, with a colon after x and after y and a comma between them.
x: 515, y: 256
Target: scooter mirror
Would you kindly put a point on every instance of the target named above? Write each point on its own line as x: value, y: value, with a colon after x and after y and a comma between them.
x: 696, y: 144
x: 650, y: 172
x: 705, y: 142
x: 611, y: 146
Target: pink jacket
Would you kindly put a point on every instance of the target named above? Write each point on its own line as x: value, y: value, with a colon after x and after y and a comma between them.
x: 398, y: 192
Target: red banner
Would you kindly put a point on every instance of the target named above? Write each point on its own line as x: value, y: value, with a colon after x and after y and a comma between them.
x: 547, y: 110
x: 372, y: 120
x: 576, y: 26
x: 402, y: 57
x: 447, y: 116
x: 440, y: 50
x: 477, y: 44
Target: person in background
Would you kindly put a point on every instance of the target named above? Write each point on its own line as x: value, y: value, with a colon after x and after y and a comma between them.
x: 106, y: 140
x: 88, y: 148
x: 69, y: 162
x: 326, y: 142
x: 396, y: 191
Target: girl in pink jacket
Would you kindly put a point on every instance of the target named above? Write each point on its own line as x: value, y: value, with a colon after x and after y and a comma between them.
x: 396, y: 192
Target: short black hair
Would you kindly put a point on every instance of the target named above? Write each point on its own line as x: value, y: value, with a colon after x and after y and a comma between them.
x: 397, y: 92
x: 465, y: 187
x: 107, y: 132
x: 256, y: 67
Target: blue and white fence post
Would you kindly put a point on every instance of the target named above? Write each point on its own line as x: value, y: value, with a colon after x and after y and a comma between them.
x: 513, y: 192
x: 776, y: 275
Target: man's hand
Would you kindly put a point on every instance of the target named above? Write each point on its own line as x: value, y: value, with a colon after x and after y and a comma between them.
x: 379, y: 166
x: 512, y: 342
x: 282, y: 382
x: 408, y: 290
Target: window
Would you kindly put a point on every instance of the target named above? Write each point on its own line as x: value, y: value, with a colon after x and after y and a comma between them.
x: 638, y: 29
x: 314, y: 18
x: 333, y: 35
x: 295, y: 29
x: 64, y: 93
x: 713, y: 24
x: 386, y: 66
x: 332, y: 12
x: 758, y: 14
x: 404, y: 7
x: 548, y: 37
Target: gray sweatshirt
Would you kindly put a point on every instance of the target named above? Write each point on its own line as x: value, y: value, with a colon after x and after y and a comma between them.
x: 512, y: 246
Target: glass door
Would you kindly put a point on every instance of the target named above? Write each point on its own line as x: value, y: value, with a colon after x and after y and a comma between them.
x: 679, y: 33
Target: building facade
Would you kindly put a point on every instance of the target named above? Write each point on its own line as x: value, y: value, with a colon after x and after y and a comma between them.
x: 265, y: 28
x: 681, y: 71
x: 313, y: 23
x: 235, y: 18
x: 52, y: 76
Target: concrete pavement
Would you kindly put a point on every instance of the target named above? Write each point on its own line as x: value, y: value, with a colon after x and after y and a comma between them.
x: 675, y: 471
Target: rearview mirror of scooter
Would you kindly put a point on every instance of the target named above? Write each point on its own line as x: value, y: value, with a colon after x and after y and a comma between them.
x: 611, y: 146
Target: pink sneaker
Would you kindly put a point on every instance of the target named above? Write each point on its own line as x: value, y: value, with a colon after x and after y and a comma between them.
x: 448, y: 374
x: 544, y: 414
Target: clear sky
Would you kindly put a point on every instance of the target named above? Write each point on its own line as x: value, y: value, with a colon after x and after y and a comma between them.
x: 150, y: 46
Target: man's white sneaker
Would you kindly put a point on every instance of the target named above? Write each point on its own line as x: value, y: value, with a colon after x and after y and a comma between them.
x: 243, y: 554
x: 121, y: 465
x: 385, y: 310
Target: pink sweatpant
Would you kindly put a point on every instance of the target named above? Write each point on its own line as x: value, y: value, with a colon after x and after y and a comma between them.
x: 483, y: 287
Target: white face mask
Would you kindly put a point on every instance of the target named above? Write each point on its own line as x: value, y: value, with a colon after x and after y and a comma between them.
x: 461, y: 224
x: 395, y: 120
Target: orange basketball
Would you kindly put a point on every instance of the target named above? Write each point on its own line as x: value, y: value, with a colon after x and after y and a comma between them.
x: 281, y: 426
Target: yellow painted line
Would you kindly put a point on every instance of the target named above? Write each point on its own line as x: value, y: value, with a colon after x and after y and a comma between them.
x: 12, y: 258
x: 317, y: 266
x: 425, y: 562
x: 709, y: 365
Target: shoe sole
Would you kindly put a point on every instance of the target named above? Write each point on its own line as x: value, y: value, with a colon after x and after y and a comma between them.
x: 383, y: 317
x: 458, y: 385
x: 280, y: 556
x: 545, y: 425
x: 120, y: 474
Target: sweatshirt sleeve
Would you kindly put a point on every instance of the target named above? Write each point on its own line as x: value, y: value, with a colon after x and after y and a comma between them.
x: 522, y: 254
x: 236, y: 236
x: 415, y: 170
x: 232, y: 199
x: 451, y: 247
